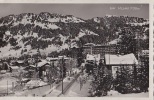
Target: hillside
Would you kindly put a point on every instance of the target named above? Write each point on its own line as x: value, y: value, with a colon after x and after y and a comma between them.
x: 25, y: 33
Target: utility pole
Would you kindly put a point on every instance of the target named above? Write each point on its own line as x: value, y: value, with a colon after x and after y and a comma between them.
x: 52, y: 72
x: 49, y: 74
x: 37, y: 61
x: 7, y: 88
x: 62, y: 72
x: 109, y: 55
x: 91, y: 50
x: 138, y: 45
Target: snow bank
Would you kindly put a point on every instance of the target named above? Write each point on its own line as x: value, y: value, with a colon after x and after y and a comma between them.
x: 43, y: 62
x: 112, y: 92
x: 42, y: 83
x: 35, y: 83
x: 66, y: 79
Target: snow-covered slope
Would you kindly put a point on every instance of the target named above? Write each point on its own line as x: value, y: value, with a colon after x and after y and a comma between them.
x: 25, y: 33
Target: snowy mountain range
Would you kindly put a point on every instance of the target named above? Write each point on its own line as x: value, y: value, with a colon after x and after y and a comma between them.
x: 25, y: 33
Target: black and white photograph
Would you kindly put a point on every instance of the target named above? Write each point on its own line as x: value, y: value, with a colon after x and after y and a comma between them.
x: 74, y: 50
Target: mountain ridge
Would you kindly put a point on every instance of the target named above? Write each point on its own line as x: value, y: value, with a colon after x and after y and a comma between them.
x: 26, y: 32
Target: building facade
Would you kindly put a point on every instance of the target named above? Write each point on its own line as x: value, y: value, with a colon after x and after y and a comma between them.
x: 101, y: 49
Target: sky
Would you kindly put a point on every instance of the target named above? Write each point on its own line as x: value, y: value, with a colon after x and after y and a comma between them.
x: 84, y: 11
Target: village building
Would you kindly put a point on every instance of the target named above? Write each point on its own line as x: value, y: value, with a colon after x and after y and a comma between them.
x: 19, y: 63
x: 144, y: 61
x: 91, y: 48
x: 118, y: 62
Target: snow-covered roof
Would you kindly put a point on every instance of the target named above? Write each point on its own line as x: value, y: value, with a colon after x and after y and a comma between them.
x: 145, y: 52
x: 51, y: 59
x: 20, y: 61
x: 115, y: 41
x: 42, y: 63
x: 14, y: 67
x: 36, y: 83
x: 93, y: 57
x: 89, y: 44
x: 60, y: 57
x: 32, y: 65
x: 90, y: 57
x: 120, y: 59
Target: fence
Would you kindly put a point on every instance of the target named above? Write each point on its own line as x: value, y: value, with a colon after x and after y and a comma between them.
x: 7, y: 89
x: 69, y: 85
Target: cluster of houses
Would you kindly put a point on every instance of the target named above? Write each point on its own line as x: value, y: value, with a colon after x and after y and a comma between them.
x: 47, y: 70
x: 112, y: 59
